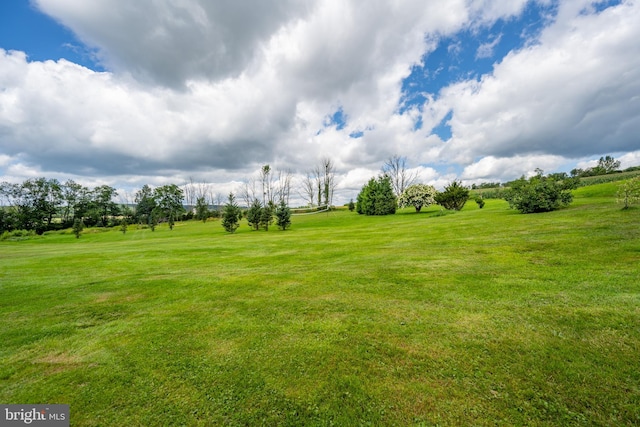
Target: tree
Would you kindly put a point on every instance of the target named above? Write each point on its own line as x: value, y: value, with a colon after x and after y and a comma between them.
x: 629, y: 192
x: 103, y: 202
x: 266, y: 216
x: 254, y: 213
x: 308, y: 189
x: 396, y: 167
x: 202, y: 209
x: 351, y: 205
x: 231, y: 215
x: 541, y: 193
x: 608, y: 164
x: 454, y: 196
x: 418, y: 196
x: 168, y: 200
x: 267, y: 184
x: 377, y: 197
x: 123, y: 225
x: 283, y: 216
x: 78, y: 226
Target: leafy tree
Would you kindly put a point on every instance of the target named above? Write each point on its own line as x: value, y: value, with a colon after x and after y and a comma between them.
x: 418, y: 196
x: 629, y: 192
x: 266, y: 216
x: 254, y: 213
x: 608, y: 164
x: 541, y: 193
x: 202, y: 209
x: 168, y: 200
x: 479, y: 201
x: 78, y: 226
x: 103, y: 203
x: 454, y: 196
x: 231, y: 215
x: 351, y: 205
x: 283, y: 216
x: 145, y: 204
x: 377, y: 197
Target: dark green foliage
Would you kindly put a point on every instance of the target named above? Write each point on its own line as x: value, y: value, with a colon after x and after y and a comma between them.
x: 541, y: 193
x: 351, y: 205
x: 146, y: 203
x: 168, y: 200
x: 123, y: 225
x: 479, y: 201
x: 78, y: 226
x: 254, y: 213
x: 283, y: 216
x: 202, y: 209
x: 377, y: 197
x: 266, y: 216
x: 231, y: 215
x: 454, y: 196
x: 606, y: 165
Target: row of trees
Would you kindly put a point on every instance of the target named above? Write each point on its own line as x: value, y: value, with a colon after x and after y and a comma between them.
x: 42, y: 204
x: 258, y: 215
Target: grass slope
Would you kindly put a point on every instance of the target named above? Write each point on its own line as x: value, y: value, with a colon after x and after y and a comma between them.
x: 483, y: 317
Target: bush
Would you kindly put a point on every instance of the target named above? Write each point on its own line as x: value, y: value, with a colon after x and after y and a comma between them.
x: 629, y: 192
x: 454, y: 196
x: 479, y: 202
x: 541, y: 193
x: 377, y: 197
x: 418, y: 196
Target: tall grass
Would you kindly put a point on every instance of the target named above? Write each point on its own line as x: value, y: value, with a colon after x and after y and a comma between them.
x: 482, y: 317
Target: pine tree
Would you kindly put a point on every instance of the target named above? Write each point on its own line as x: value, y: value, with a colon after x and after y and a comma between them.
x: 231, y: 215
x: 283, y: 216
x: 266, y: 216
x: 254, y: 213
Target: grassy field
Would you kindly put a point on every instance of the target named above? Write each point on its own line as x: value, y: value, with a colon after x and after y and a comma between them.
x: 482, y: 317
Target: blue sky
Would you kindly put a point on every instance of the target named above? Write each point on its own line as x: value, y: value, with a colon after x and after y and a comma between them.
x: 156, y: 92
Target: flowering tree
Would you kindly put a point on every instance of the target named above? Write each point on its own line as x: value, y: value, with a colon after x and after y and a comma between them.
x: 417, y: 195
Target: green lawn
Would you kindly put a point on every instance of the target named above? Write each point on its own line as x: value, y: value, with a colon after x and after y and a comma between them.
x: 482, y: 317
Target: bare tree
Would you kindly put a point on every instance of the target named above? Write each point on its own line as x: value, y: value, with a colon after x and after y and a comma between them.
x: 308, y: 189
x: 248, y: 192
x: 328, y: 180
x: 396, y: 168
x: 283, y: 186
x: 189, y: 190
x: 267, y: 184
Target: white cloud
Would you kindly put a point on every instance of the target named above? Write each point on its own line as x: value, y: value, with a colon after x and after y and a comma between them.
x: 213, y: 90
x: 573, y: 94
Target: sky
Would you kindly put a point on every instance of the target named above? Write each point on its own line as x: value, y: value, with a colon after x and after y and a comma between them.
x: 122, y: 93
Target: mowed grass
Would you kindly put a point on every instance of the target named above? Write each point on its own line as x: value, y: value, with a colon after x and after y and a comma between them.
x: 482, y: 317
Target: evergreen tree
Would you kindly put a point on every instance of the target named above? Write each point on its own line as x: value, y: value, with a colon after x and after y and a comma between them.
x: 283, y: 216
x: 254, y: 214
x: 377, y: 197
x: 231, y: 215
x: 454, y: 196
x: 266, y: 216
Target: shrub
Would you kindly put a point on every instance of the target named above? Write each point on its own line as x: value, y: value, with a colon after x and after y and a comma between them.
x: 541, y: 193
x: 454, y: 196
x: 418, y: 196
x: 377, y: 197
x: 629, y: 192
x: 479, y: 202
